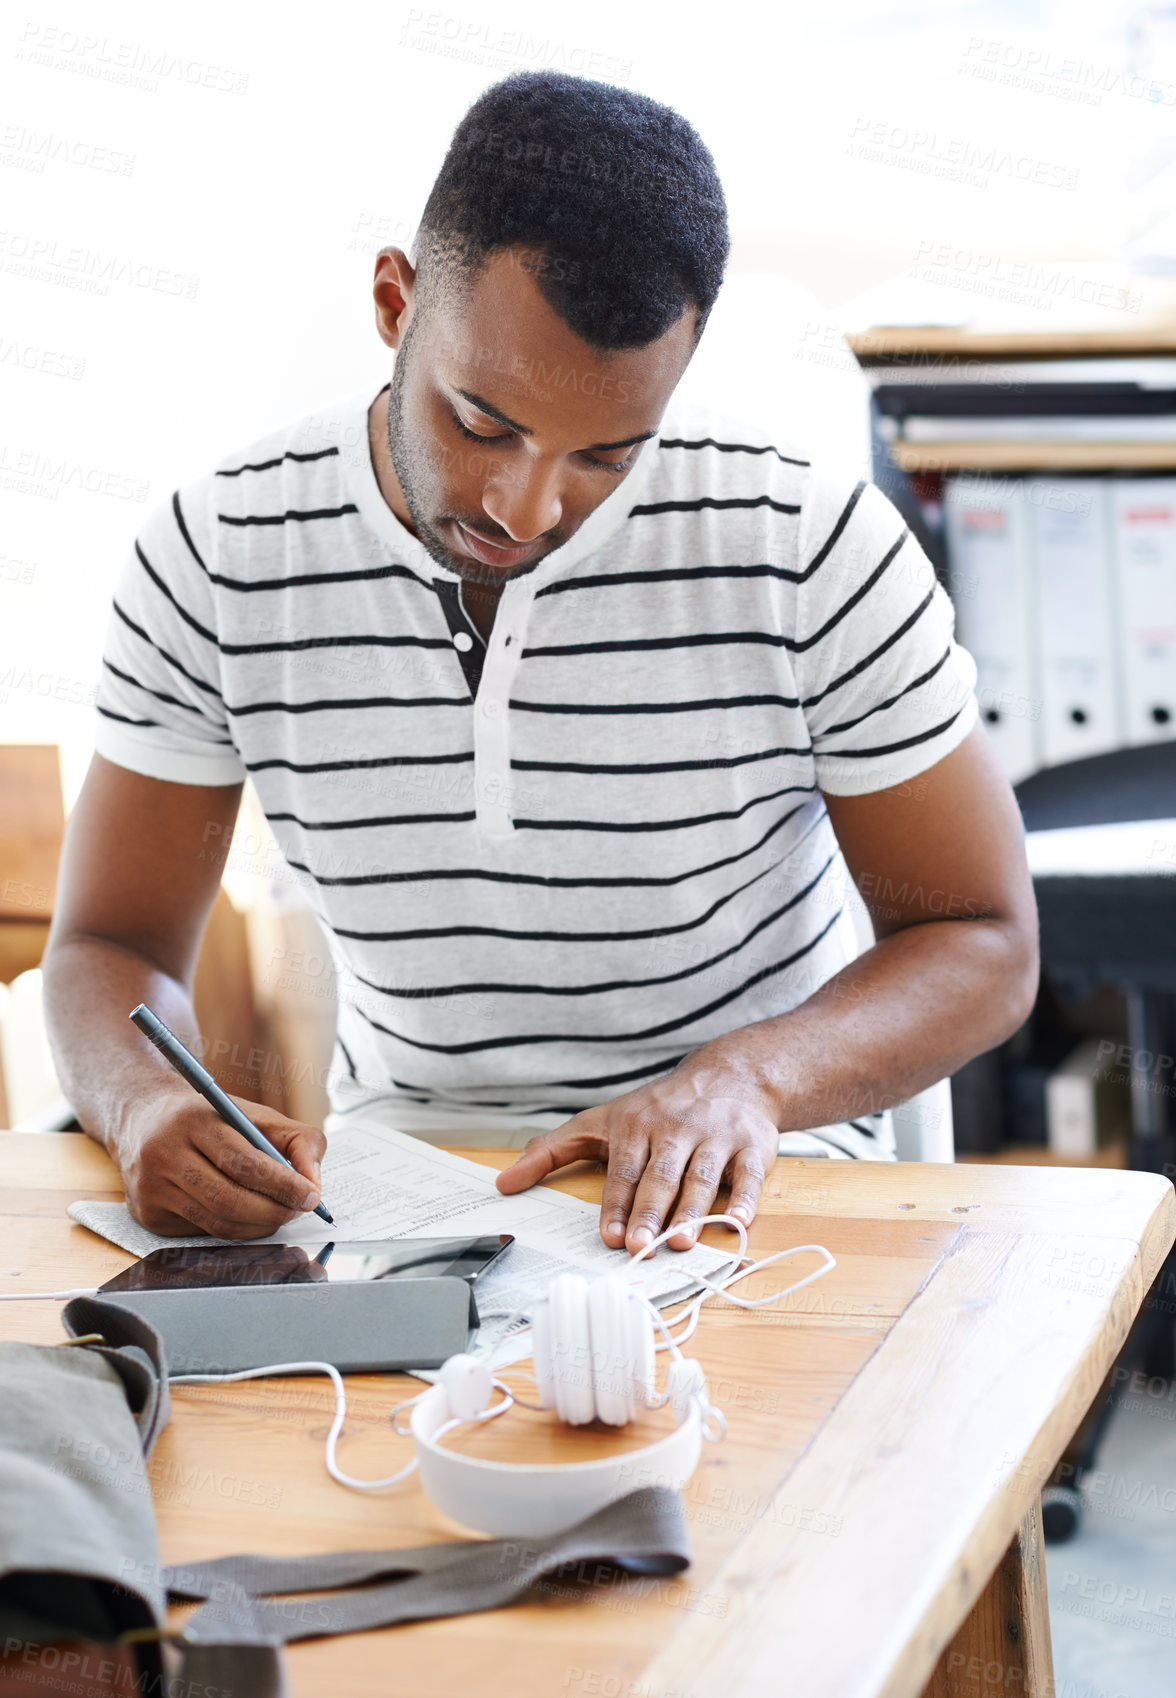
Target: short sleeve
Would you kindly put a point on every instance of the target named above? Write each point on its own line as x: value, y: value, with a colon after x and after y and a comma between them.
x: 885, y: 689
x: 160, y: 710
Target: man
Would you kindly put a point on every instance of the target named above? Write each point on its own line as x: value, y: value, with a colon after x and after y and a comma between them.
x: 571, y: 708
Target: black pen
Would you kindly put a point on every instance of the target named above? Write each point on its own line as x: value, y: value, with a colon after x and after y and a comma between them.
x: 187, y: 1066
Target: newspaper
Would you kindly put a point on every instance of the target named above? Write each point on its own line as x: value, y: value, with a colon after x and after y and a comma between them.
x: 379, y: 1183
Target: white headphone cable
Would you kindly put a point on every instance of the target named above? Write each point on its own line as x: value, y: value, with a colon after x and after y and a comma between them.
x: 275, y: 1368
x: 690, y: 1315
x: 44, y: 1296
x: 336, y: 1379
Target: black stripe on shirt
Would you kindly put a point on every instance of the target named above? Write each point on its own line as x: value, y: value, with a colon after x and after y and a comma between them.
x: 423, y: 993
x: 610, y: 936
x: 886, y: 643
x: 717, y: 502
x: 661, y: 575
x: 308, y: 642
x: 125, y: 719
x: 556, y: 883
x: 718, y: 637
x: 660, y: 825
x: 291, y: 513
x: 202, y: 630
x: 163, y: 654
x: 339, y: 1041
x: 455, y: 1105
x: 296, y: 645
x: 186, y: 534
x: 880, y: 707
x: 672, y: 574
x: 894, y: 748
x: 729, y: 448
x: 307, y: 580
x: 610, y: 1037
x: 629, y: 645
x: 665, y: 1066
x: 360, y: 765
x: 435, y: 1097
x: 602, y: 767
x: 160, y: 695
x: 843, y: 519
x: 582, y: 1085
x: 387, y: 819
x: 349, y: 702
x: 858, y: 595
x: 837, y: 1142
x: 267, y: 465
x: 702, y: 706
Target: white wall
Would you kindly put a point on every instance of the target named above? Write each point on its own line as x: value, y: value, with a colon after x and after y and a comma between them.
x: 262, y: 154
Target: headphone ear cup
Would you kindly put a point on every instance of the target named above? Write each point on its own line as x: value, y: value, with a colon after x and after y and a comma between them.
x: 612, y: 1367
x: 642, y: 1354
x: 592, y: 1348
x: 541, y: 1353
x: 469, y: 1386
x: 570, y: 1349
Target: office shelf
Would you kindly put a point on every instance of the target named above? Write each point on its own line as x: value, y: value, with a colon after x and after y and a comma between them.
x: 1033, y: 456
x: 887, y: 342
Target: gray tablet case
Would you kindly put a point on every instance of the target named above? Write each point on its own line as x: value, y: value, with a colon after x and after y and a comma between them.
x: 381, y: 1326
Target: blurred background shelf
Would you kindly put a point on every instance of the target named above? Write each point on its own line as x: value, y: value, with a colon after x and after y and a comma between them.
x: 1040, y: 1155
x: 934, y: 457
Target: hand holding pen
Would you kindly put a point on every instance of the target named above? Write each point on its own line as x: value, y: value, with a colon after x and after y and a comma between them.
x: 240, y: 1171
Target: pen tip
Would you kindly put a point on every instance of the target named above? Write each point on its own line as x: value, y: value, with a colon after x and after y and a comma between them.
x: 329, y: 1218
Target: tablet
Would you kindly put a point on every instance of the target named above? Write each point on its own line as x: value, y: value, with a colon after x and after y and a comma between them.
x: 367, y: 1306
x: 360, y: 1326
x: 182, y: 1267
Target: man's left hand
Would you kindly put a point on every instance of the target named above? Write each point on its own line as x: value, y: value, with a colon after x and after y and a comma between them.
x: 668, y: 1146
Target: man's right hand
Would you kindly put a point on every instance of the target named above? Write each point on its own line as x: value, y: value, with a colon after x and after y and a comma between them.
x: 186, y: 1172
x: 137, y: 882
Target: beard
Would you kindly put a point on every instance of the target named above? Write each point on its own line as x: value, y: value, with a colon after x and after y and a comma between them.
x: 418, y: 481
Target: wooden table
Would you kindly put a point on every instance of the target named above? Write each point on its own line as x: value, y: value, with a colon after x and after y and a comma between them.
x: 869, y: 1527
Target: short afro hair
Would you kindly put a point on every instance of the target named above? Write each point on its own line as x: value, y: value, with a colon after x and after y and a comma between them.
x: 614, y: 196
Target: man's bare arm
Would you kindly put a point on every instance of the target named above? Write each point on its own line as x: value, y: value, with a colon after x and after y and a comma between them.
x: 137, y: 882
x: 940, y: 863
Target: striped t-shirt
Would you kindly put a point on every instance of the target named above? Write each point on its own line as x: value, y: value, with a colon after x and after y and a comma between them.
x: 551, y: 865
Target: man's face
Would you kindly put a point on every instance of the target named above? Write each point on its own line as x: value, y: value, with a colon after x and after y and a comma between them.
x: 505, y: 429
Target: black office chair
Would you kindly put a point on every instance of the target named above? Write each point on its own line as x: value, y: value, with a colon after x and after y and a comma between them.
x: 1117, y: 929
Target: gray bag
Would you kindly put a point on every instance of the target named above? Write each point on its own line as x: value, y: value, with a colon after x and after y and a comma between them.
x: 76, y: 1421
x: 79, y: 1558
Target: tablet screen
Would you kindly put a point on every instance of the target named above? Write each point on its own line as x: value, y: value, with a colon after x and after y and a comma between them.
x: 185, y: 1267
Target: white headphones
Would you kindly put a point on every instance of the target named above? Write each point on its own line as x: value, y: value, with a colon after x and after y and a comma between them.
x: 594, y: 1352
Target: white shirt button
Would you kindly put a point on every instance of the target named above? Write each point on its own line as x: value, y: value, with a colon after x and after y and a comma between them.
x: 463, y: 641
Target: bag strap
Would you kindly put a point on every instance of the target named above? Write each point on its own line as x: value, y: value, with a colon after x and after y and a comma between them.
x: 134, y: 1350
x: 642, y: 1534
x: 242, y: 1623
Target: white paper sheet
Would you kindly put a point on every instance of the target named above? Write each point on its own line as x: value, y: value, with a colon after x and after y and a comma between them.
x: 383, y: 1184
